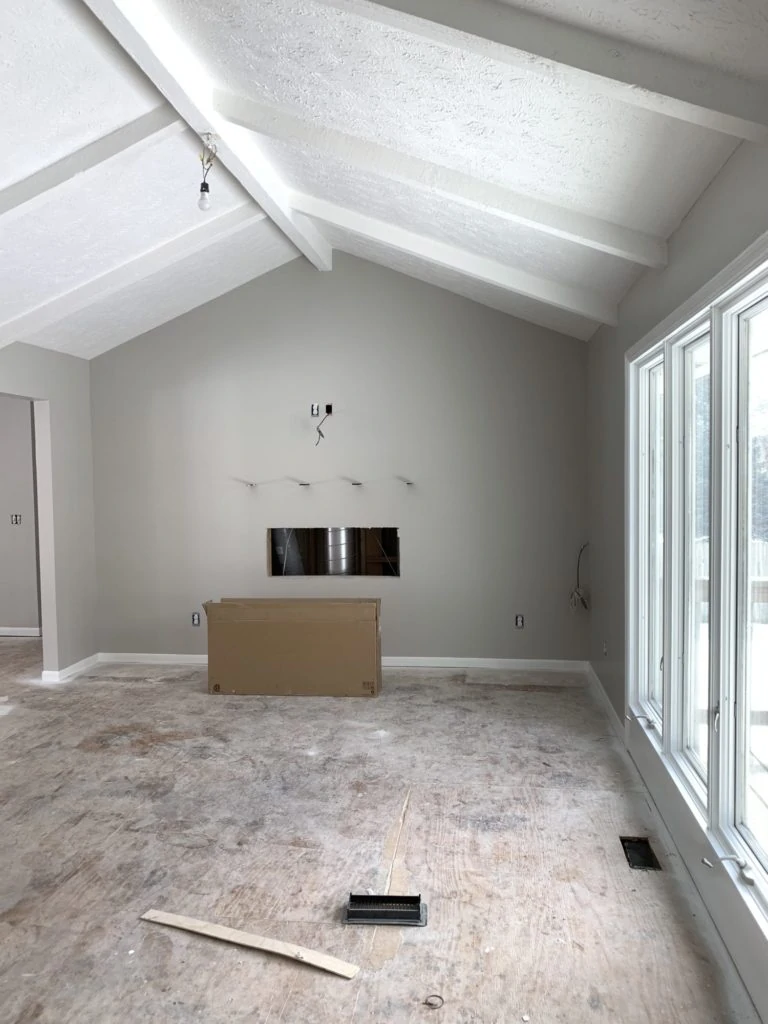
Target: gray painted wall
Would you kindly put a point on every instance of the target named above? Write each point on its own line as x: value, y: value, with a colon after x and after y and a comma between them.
x: 18, y: 545
x: 61, y: 386
x: 730, y: 215
x: 485, y: 413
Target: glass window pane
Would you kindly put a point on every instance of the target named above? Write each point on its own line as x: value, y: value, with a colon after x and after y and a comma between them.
x: 655, y: 568
x: 754, y: 758
x: 696, y: 597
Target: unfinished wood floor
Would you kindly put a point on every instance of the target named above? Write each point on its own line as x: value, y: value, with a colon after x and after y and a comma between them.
x: 131, y: 788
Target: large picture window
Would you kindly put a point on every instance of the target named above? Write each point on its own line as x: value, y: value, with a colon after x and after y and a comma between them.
x: 698, y: 570
x: 752, y: 542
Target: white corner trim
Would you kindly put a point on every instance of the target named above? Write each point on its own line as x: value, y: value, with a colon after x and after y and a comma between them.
x: 153, y: 659
x: 598, y: 692
x: 19, y: 631
x: 512, y: 664
x: 65, y: 674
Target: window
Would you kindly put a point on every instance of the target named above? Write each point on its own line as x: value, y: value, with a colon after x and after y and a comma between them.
x: 697, y: 596
x: 752, y: 643
x: 698, y: 637
x: 695, y: 509
x: 650, y: 520
x: 655, y: 594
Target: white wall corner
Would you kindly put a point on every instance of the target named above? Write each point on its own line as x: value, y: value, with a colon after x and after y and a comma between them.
x: 601, y: 697
x: 65, y: 674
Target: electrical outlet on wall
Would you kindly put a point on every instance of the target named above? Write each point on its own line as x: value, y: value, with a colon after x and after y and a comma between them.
x: 195, y: 618
x: 315, y: 409
x: 519, y: 622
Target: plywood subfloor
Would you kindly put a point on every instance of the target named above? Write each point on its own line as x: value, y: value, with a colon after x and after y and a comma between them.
x: 502, y: 804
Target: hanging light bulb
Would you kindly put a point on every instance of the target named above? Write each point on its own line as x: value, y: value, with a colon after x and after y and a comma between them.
x: 206, y: 161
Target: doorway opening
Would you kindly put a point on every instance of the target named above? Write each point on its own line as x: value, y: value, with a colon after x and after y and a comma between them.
x: 20, y: 614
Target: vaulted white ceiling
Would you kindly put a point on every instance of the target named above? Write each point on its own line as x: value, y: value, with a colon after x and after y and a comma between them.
x: 532, y: 155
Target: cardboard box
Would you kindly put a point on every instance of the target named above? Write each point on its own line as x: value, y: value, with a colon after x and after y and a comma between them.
x: 294, y: 647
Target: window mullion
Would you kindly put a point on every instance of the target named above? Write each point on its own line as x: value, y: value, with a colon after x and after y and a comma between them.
x: 674, y: 502
x: 722, y: 606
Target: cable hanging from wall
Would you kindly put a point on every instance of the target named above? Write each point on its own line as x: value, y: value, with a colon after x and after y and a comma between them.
x: 320, y: 434
x: 207, y: 157
x: 579, y: 597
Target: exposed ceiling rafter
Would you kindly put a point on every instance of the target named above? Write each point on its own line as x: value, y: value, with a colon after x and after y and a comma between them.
x: 582, y: 302
x: 145, y: 35
x: 213, y: 230
x: 373, y: 158
x: 158, y: 124
x: 669, y: 85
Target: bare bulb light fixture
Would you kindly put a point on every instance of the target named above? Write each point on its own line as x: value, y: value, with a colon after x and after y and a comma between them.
x: 206, y: 160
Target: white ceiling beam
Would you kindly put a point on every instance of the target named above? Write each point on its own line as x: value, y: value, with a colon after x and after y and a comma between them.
x: 581, y: 301
x: 158, y: 124
x: 373, y: 158
x: 692, y: 92
x: 146, y: 36
x: 144, y: 266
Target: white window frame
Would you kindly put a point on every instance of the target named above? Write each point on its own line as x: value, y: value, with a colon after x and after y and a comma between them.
x: 749, y: 300
x: 687, y: 598
x: 676, y: 572
x: 702, y: 822
x: 640, y: 375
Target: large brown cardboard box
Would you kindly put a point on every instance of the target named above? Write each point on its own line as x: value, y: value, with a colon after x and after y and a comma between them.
x: 307, y: 647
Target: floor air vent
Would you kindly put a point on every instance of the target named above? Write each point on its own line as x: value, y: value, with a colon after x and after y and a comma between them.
x: 385, y: 910
x: 639, y: 853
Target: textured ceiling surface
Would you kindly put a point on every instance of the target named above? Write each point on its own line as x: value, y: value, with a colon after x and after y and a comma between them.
x: 254, y: 250
x: 407, y: 145
x: 479, y: 291
x: 429, y: 213
x: 141, y: 201
x: 729, y: 34
x: 475, y: 115
x: 55, y: 60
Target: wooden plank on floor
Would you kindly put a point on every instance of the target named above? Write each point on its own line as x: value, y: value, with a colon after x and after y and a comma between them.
x: 239, y: 938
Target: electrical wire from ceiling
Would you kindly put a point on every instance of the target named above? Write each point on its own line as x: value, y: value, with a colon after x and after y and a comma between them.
x: 207, y: 157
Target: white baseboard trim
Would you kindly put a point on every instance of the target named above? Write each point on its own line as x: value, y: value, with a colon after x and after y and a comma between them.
x: 19, y: 631
x: 597, y: 690
x: 511, y: 664
x: 65, y: 674
x: 154, y: 659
